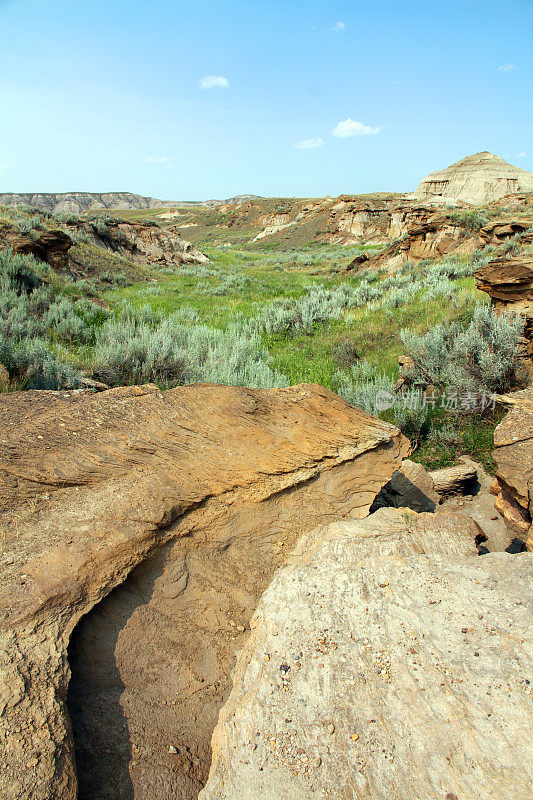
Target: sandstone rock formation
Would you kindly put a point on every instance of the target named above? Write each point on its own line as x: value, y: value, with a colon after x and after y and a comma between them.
x: 498, y: 230
x: 513, y: 457
x: 509, y: 283
x: 425, y: 234
x: 386, y: 660
x: 476, y: 179
x: 157, y: 519
x: 49, y: 246
x: 143, y: 242
x: 410, y: 487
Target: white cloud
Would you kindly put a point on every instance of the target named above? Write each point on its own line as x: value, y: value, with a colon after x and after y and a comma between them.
x: 159, y: 160
x: 522, y: 155
x: 308, y: 144
x: 213, y: 82
x: 506, y: 67
x: 339, y: 26
x: 351, y: 128
x: 4, y: 165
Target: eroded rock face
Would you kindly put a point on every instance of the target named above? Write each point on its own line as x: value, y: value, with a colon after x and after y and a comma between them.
x: 50, y: 246
x: 386, y: 659
x: 498, y: 230
x: 80, y: 202
x: 476, y: 179
x: 144, y: 243
x: 513, y: 457
x: 187, y: 501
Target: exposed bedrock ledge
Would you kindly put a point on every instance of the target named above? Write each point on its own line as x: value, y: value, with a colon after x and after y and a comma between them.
x: 187, y: 501
x: 386, y: 660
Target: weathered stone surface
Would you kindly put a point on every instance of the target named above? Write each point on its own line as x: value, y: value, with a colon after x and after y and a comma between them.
x: 513, y: 456
x: 79, y: 202
x: 186, y: 501
x: 454, y: 480
x: 410, y: 487
x: 385, y: 660
x: 498, y: 230
x: 477, y: 179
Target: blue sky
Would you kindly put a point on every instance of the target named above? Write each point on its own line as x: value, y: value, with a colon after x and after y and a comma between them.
x: 205, y: 99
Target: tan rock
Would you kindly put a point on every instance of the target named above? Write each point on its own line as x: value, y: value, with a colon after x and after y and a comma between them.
x: 516, y: 517
x: 144, y: 243
x: 513, y: 456
x: 411, y: 645
x: 509, y: 284
x: 154, y: 518
x: 454, y: 480
x: 477, y: 179
x: 498, y: 230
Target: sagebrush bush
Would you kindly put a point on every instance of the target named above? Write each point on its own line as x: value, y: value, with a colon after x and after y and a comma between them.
x: 370, y: 390
x: 481, y: 357
x: 32, y: 365
x: 169, y: 352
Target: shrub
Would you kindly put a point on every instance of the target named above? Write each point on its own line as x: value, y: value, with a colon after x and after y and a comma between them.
x: 115, y: 278
x: 19, y: 272
x: 374, y: 392
x: 169, y: 352
x: 472, y: 221
x: 34, y: 366
x: 480, y: 358
x: 67, y: 217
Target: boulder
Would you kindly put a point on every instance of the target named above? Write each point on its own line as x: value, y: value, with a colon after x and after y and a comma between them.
x: 477, y: 179
x: 410, y: 487
x: 139, y: 530
x: 386, y: 660
x: 513, y: 457
x: 458, y: 479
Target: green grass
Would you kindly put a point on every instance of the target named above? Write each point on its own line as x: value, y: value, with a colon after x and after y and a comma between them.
x: 475, y: 438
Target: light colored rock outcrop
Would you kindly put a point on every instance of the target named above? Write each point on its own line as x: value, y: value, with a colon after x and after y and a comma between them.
x: 477, y: 179
x: 386, y: 660
x: 513, y: 457
x: 159, y: 518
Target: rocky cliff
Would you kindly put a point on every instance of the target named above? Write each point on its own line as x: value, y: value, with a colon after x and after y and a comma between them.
x: 80, y: 202
x: 139, y: 530
x: 477, y: 179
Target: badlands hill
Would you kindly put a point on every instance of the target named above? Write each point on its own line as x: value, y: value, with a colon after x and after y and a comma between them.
x: 477, y: 179
x: 80, y: 202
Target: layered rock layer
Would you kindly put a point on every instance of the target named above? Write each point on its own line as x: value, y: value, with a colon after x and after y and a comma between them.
x: 476, y: 179
x: 386, y: 659
x: 187, y: 501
